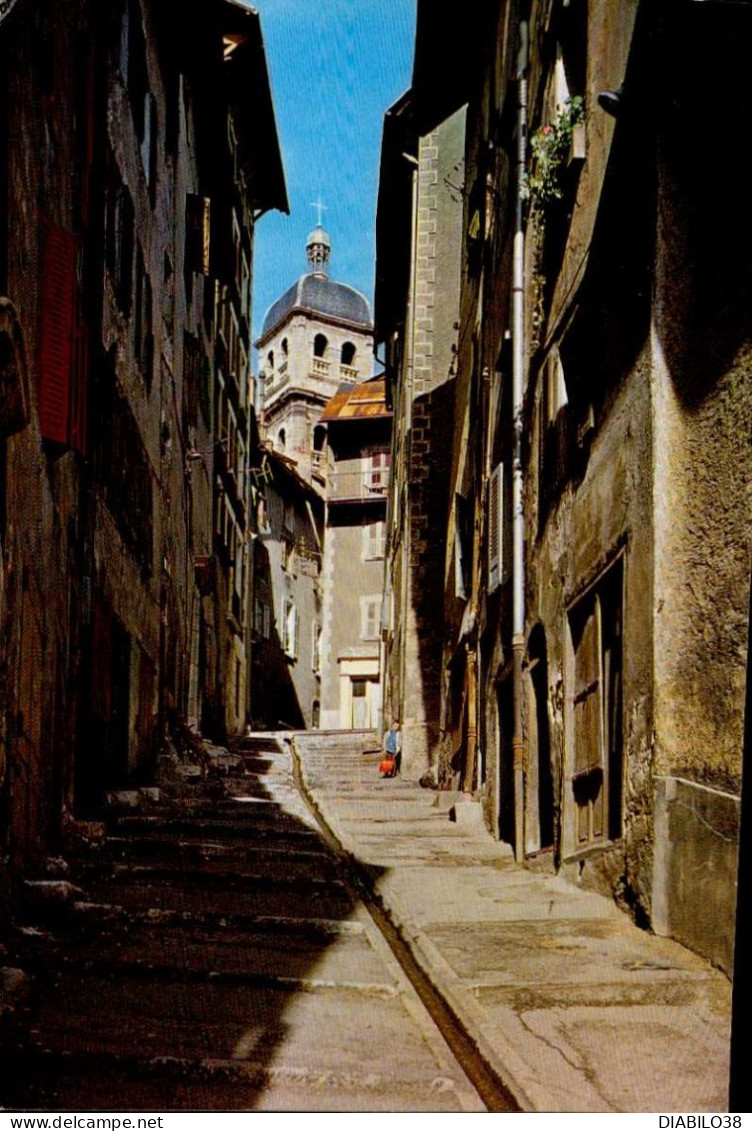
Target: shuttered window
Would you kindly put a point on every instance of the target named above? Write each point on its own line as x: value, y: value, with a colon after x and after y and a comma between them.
x: 495, y: 527
x: 198, y: 233
x: 56, y: 340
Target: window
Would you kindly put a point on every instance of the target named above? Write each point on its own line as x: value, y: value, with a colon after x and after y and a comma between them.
x: 290, y: 639
x: 495, y: 527
x: 287, y: 547
x: 288, y: 519
x: 281, y: 440
x: 319, y: 437
x: 370, y: 615
x: 320, y: 344
x: 55, y: 354
x: 463, y: 547
x: 374, y: 536
x: 245, y: 286
x: 237, y: 259
x: 554, y: 432
x: 119, y: 240
x: 198, y: 234
x: 144, y: 343
x: 168, y: 295
x: 149, y: 144
x: 258, y: 616
x: 348, y: 353
x: 377, y: 472
x: 316, y: 647
x: 595, y: 706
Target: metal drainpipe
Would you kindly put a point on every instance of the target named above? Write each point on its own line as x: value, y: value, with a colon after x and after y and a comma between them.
x: 518, y: 528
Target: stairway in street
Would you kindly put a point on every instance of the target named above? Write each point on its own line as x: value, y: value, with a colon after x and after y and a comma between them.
x: 216, y: 957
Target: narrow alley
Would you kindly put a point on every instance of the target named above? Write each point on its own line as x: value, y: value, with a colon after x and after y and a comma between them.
x: 377, y: 383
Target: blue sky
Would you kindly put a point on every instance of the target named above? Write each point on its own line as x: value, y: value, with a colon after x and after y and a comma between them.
x: 335, y: 68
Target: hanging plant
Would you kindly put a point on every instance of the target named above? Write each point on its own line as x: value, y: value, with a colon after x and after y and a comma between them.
x: 550, y: 148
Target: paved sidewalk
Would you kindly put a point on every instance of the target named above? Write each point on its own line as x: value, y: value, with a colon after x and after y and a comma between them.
x: 576, y: 1008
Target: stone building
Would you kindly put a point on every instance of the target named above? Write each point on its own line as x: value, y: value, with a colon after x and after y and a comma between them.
x: 249, y: 180
x: 598, y: 515
x: 287, y: 597
x: 358, y: 425
x: 117, y: 189
x: 419, y: 241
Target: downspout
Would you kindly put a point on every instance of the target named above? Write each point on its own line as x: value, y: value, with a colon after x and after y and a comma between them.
x: 518, y: 527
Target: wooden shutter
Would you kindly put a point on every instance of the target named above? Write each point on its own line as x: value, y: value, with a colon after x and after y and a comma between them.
x: 588, y: 726
x: 198, y: 233
x: 56, y: 340
x: 79, y: 388
x: 495, y: 526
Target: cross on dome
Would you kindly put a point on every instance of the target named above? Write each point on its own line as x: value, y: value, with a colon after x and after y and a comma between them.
x: 318, y: 244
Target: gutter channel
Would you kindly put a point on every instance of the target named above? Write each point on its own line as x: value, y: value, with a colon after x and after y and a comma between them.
x: 495, y: 1094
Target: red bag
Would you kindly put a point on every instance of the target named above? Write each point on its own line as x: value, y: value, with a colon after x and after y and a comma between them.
x: 387, y: 766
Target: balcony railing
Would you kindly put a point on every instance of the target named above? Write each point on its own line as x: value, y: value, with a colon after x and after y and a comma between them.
x: 319, y: 367
x: 348, y: 373
x: 358, y: 485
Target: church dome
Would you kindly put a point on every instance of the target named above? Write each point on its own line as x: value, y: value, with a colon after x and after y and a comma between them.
x: 315, y: 293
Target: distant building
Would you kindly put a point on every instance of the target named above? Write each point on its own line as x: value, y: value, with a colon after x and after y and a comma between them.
x: 326, y: 430
x: 287, y: 598
x: 358, y: 426
x: 316, y: 336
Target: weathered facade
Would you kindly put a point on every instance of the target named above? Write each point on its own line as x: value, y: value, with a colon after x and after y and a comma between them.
x: 597, y: 535
x: 287, y: 600
x: 111, y: 186
x: 358, y: 425
x: 417, y: 307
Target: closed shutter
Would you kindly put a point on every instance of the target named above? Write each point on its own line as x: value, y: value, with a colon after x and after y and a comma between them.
x: 79, y: 389
x: 56, y: 342
x: 587, y: 696
x: 495, y: 526
x: 198, y: 233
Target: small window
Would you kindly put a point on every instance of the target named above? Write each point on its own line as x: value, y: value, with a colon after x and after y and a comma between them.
x: 495, y: 527
x: 319, y: 438
x: 290, y: 642
x: 374, y: 536
x: 281, y: 440
x: 320, y: 344
x: 377, y: 472
x: 316, y: 647
x: 348, y: 353
x: 463, y: 547
x: 284, y: 347
x: 370, y: 615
